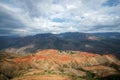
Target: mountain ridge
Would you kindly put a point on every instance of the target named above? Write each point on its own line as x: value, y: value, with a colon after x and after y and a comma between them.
x: 88, y: 42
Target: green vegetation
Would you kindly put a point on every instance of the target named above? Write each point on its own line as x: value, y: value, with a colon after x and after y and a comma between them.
x: 115, y: 66
x: 111, y: 77
x: 66, y: 52
x: 89, y: 76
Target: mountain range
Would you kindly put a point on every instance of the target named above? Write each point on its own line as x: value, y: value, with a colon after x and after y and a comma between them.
x: 108, y: 42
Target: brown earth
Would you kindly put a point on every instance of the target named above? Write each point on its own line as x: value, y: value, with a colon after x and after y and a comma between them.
x: 53, y: 64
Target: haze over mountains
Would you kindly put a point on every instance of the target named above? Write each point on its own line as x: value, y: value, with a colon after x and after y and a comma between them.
x: 108, y: 42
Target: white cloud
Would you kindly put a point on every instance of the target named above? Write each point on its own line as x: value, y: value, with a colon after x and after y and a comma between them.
x: 70, y: 7
x: 79, y: 15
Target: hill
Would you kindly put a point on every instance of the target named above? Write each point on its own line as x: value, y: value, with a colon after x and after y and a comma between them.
x: 59, y: 65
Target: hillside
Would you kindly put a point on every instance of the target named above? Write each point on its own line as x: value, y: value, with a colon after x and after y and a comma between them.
x: 87, y: 42
x: 51, y: 64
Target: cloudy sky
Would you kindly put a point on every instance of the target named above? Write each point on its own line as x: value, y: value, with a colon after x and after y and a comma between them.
x: 28, y: 17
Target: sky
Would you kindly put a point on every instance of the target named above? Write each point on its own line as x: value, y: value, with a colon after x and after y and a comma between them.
x: 29, y: 17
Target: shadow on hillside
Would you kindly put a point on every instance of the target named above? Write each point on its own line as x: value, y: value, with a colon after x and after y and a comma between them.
x: 111, y: 77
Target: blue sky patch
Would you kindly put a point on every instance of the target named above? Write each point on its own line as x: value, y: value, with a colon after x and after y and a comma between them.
x: 58, y: 20
x: 111, y: 3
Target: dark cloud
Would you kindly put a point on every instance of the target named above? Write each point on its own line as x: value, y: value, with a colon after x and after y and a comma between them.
x: 8, y: 23
x: 4, y: 32
x: 105, y: 28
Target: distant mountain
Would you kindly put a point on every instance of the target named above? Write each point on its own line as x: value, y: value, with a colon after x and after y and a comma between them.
x: 88, y: 42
